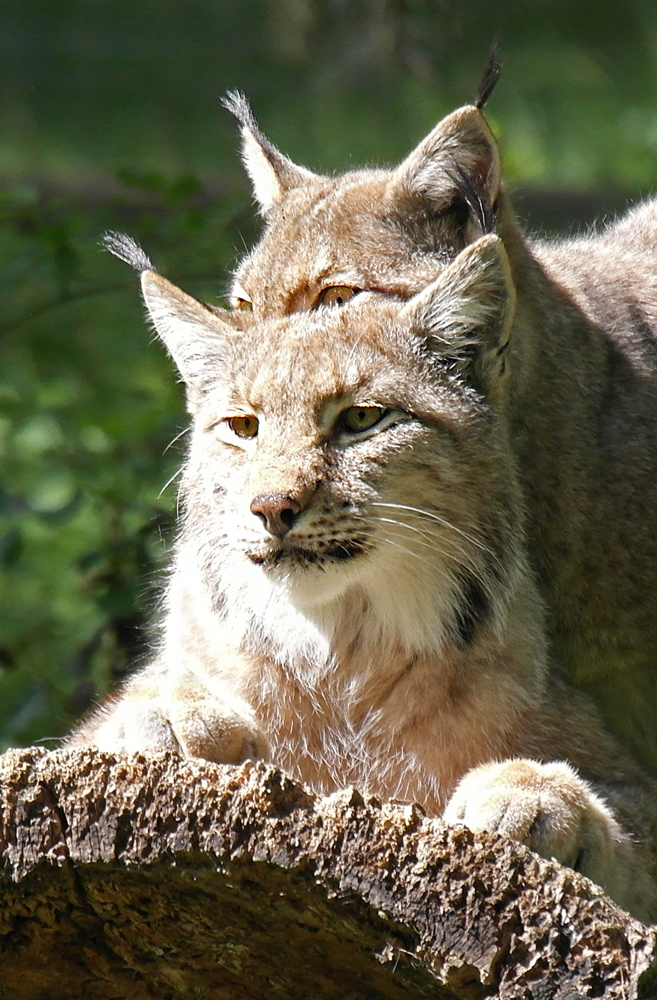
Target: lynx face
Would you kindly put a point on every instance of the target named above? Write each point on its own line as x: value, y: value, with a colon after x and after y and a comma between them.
x: 335, y: 452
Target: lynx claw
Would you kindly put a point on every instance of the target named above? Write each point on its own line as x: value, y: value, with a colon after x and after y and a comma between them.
x: 547, y: 807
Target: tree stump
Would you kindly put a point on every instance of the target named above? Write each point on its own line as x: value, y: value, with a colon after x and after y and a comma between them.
x: 149, y: 877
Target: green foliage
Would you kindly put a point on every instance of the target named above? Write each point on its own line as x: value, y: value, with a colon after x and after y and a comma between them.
x: 91, y: 87
x: 88, y: 409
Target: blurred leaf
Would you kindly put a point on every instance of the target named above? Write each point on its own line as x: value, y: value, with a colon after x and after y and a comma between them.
x: 152, y: 182
x: 7, y: 660
x: 11, y: 548
x: 186, y: 187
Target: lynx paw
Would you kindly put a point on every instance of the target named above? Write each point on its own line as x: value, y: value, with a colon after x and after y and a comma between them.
x: 545, y: 806
x: 195, y: 725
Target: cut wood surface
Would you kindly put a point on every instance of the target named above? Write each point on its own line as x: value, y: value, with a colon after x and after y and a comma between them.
x: 155, y: 877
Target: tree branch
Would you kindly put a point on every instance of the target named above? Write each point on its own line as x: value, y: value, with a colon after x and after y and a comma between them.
x: 156, y: 877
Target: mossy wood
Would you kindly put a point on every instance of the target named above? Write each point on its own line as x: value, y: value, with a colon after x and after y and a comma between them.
x: 156, y: 877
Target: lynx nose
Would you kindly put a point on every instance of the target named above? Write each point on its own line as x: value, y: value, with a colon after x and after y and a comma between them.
x: 276, y: 511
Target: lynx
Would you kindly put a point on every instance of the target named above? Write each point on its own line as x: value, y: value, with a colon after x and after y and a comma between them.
x: 581, y: 403
x: 351, y: 596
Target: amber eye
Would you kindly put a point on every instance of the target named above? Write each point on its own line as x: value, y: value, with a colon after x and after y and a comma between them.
x: 361, y: 418
x: 244, y: 427
x: 336, y: 295
x: 245, y: 305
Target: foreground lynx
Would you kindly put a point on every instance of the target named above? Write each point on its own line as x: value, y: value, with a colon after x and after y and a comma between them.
x: 582, y: 396
x: 351, y: 596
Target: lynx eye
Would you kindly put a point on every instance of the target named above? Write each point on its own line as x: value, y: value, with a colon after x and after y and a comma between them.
x: 244, y: 427
x: 245, y: 305
x: 361, y: 418
x: 336, y: 295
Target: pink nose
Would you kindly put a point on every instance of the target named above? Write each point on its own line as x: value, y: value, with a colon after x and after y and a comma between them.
x: 276, y: 511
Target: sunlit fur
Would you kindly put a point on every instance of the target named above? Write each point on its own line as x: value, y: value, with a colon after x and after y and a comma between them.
x: 394, y: 637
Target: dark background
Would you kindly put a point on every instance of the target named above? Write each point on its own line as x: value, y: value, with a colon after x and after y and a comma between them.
x: 111, y: 119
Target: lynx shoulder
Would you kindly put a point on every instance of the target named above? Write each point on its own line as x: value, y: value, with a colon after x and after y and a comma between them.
x: 351, y: 597
x: 582, y: 398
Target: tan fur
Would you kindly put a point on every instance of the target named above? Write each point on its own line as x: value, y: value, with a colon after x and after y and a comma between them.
x: 392, y: 636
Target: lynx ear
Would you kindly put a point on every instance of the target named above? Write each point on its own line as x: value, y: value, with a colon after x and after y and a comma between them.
x: 197, y: 336
x: 467, y: 313
x: 272, y: 174
x: 459, y: 159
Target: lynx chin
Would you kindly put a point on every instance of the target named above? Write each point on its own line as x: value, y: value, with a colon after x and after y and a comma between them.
x: 351, y: 595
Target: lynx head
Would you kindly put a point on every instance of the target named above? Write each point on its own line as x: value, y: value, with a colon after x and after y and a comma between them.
x: 329, y: 238
x: 351, y: 462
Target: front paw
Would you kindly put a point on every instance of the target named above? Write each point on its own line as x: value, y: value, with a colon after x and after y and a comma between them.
x: 189, y: 722
x: 213, y: 730
x: 547, y: 807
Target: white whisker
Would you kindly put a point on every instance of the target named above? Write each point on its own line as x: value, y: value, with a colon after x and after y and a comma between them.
x: 460, y: 556
x: 184, y: 431
x: 430, y: 515
x: 410, y: 527
x: 434, y: 517
x: 409, y: 552
x: 166, y: 486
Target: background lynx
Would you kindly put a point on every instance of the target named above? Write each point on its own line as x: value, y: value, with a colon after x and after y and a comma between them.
x: 351, y: 596
x: 582, y: 395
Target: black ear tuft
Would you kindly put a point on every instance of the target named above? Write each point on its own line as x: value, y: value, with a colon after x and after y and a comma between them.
x: 235, y: 102
x: 489, y: 77
x: 127, y: 250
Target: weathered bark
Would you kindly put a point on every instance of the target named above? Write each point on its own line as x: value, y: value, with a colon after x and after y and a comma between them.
x: 154, y: 877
